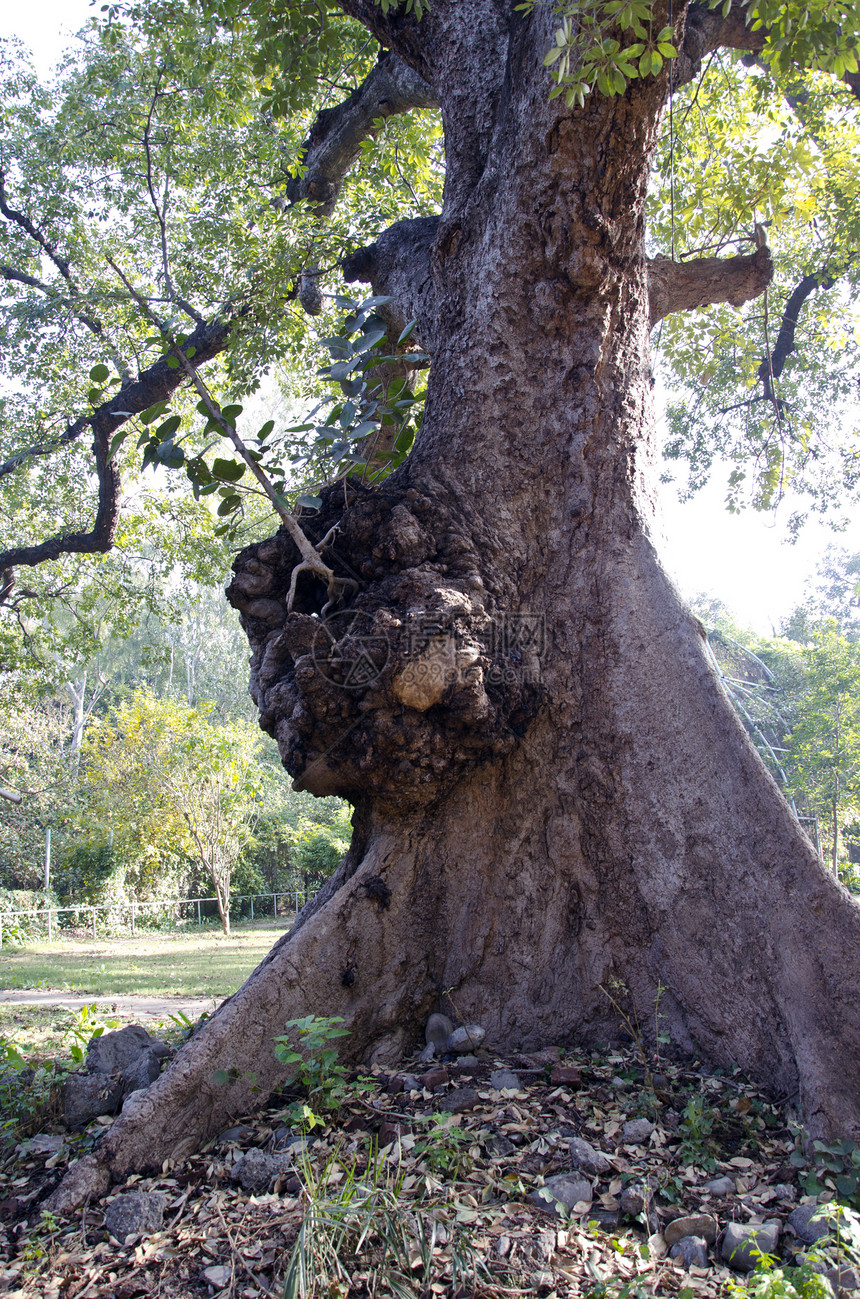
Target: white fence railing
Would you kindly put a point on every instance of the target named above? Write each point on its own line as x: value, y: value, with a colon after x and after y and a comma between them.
x: 135, y: 911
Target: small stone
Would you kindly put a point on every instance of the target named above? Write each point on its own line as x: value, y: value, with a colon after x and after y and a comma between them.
x: 811, y: 1222
x: 439, y: 1029
x: 504, y: 1079
x: 565, y: 1075
x: 466, y: 1039
x: 87, y: 1098
x: 111, y: 1053
x: 843, y: 1278
x: 585, y: 1156
x: 632, y: 1202
x: 743, y: 1247
x: 465, y: 1064
x: 692, y: 1250
x: 428, y: 1054
x: 499, y: 1147
x: 719, y: 1187
x: 240, y: 1133
x: 544, y: 1247
x: 566, y: 1188
x: 636, y: 1132
x: 411, y: 1083
x: 433, y: 1078
x: 457, y: 1101
x: 140, y: 1213
x: 43, y: 1143
x: 503, y: 1245
x: 218, y: 1276
x: 257, y: 1169
x: 693, y: 1224
x: 782, y: 1191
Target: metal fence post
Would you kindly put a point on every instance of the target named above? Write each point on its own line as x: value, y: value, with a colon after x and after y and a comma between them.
x: 50, y: 928
x: 252, y: 910
x: 94, y: 920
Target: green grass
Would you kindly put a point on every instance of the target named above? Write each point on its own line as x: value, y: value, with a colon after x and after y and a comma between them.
x: 170, y: 965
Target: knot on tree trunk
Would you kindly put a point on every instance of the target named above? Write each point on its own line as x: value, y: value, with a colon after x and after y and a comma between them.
x: 418, y: 680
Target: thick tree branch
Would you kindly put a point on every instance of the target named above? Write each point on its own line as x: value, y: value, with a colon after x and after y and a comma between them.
x: 335, y: 139
x: 706, y: 30
x: 398, y: 265
x: 683, y: 286
x: 154, y: 384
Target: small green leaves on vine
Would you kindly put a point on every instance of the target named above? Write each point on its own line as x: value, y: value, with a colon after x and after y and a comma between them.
x: 588, y: 55
x: 823, y: 35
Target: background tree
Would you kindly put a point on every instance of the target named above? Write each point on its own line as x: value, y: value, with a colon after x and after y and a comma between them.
x: 172, y: 785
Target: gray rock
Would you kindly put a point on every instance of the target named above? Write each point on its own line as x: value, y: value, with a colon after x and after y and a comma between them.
x: 113, y: 1052
x: 742, y: 1247
x: 457, y: 1101
x: 843, y: 1278
x: 428, y: 1054
x: 219, y: 1276
x: 466, y: 1039
x: 584, y: 1156
x: 411, y: 1083
x: 636, y: 1132
x: 811, y: 1222
x: 144, y: 1070
x: 43, y: 1143
x: 693, y: 1224
x: 567, y: 1189
x: 257, y: 1169
x: 692, y: 1249
x: 241, y: 1133
x: 544, y: 1247
x: 439, y: 1029
x: 140, y: 1213
x: 720, y: 1187
x: 87, y: 1098
x: 465, y: 1064
x: 783, y: 1191
x: 500, y: 1147
x: 632, y: 1201
x: 504, y: 1078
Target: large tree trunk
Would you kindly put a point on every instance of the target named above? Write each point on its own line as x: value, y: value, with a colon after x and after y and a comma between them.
x: 551, y: 788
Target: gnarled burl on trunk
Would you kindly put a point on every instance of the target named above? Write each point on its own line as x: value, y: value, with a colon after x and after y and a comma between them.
x: 550, y: 788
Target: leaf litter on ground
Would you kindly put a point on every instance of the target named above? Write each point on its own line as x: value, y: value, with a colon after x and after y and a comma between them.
x: 426, y: 1192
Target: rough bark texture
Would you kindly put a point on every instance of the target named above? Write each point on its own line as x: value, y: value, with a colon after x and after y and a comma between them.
x: 551, y: 789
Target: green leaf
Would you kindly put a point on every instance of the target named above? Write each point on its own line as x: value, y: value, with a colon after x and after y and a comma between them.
x: 310, y: 502
x: 169, y: 427
x: 99, y: 373
x: 153, y: 412
x: 229, y: 505
x: 229, y: 471
x: 220, y: 1078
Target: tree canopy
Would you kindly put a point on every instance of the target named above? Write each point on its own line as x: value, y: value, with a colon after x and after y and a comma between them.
x: 199, y: 172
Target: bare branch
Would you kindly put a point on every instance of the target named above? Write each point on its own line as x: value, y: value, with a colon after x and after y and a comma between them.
x: 683, y: 286
x: 771, y: 367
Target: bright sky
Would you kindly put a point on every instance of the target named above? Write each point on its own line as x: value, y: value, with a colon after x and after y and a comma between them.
x: 743, y: 559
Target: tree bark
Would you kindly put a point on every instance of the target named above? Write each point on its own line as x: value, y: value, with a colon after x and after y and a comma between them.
x: 551, y: 788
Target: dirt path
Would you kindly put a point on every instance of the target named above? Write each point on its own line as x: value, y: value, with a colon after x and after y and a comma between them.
x: 145, y: 1007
